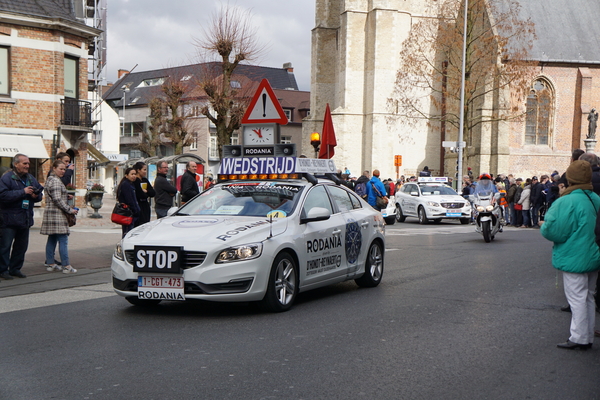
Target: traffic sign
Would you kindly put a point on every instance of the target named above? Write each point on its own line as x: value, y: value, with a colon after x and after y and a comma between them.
x: 398, y: 161
x: 264, y: 107
x: 448, y: 143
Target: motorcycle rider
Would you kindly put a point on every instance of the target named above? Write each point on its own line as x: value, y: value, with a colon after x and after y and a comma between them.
x: 485, y: 186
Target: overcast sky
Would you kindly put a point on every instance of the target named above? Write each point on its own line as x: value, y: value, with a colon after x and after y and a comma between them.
x: 160, y: 33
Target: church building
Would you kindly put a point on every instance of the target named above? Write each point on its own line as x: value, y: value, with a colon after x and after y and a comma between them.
x: 356, y: 47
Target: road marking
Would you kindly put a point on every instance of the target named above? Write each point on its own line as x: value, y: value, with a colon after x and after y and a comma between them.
x: 55, y: 297
x: 424, y: 231
x: 96, y: 230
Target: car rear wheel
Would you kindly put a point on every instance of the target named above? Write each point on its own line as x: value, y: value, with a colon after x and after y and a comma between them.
x: 142, y: 302
x: 373, y: 267
x: 400, y: 217
x: 282, y: 287
x: 422, y: 216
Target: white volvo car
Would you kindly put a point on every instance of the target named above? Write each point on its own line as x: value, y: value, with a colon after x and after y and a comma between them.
x: 255, y: 236
x: 431, y: 199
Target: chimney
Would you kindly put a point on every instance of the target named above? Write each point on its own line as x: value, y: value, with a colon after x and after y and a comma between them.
x: 288, y: 66
x: 123, y: 72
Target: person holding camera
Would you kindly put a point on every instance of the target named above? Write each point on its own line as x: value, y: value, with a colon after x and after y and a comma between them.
x: 18, y: 191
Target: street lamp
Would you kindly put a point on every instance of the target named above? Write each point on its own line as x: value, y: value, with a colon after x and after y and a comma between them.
x: 125, y: 91
x: 315, y: 140
x: 461, y: 124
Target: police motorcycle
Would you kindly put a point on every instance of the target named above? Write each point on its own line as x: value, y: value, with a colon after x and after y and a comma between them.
x: 489, y: 217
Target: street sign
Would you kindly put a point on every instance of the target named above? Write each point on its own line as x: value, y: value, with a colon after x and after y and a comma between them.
x: 448, y: 143
x: 398, y: 161
x: 264, y: 107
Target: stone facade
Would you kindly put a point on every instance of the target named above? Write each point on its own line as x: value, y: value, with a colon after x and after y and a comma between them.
x: 355, y: 50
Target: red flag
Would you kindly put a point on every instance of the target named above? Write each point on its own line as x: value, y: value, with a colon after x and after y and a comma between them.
x: 328, y: 141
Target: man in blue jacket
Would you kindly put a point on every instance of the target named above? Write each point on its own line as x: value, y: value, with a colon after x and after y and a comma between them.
x: 18, y: 191
x: 374, y: 185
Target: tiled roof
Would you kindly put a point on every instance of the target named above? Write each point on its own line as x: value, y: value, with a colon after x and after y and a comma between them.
x: 279, y: 78
x: 566, y: 30
x: 40, y: 8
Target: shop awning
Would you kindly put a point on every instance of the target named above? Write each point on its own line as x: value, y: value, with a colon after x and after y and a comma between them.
x: 31, y: 146
x: 95, y: 153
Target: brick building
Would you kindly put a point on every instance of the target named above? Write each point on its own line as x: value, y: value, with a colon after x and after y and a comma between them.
x: 355, y: 53
x: 43, y: 84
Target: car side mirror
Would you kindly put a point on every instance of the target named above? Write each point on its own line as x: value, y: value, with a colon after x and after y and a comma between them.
x: 172, y: 210
x: 316, y: 214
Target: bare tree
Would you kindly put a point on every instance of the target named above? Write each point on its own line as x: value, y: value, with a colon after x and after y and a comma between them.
x: 230, y: 40
x: 428, y: 81
x: 168, y: 119
x: 151, y: 140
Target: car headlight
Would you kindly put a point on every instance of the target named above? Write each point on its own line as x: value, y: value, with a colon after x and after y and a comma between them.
x: 240, y: 253
x: 489, y: 208
x: 119, y: 252
x: 480, y: 208
x: 433, y: 204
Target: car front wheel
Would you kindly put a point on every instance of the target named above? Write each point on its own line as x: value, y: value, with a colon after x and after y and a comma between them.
x: 282, y: 287
x: 422, y: 216
x: 373, y: 267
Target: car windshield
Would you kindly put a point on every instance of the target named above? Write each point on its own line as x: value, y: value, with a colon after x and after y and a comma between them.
x: 258, y: 199
x: 437, y: 190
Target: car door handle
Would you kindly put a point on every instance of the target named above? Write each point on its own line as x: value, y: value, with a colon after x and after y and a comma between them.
x: 337, y: 232
x: 366, y: 223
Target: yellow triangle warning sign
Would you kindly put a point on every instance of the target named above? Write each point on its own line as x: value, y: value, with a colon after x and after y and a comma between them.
x: 264, y: 107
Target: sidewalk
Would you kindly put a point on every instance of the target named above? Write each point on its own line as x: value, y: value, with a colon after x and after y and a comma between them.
x: 91, y: 245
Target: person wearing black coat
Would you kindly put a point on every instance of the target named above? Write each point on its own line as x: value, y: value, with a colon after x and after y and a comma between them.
x: 537, y: 199
x: 19, y: 190
x: 143, y: 192
x: 164, y: 190
x: 593, y: 160
x: 189, y: 185
x: 126, y: 195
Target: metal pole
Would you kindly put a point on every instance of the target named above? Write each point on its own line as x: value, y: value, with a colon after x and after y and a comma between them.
x: 462, y: 100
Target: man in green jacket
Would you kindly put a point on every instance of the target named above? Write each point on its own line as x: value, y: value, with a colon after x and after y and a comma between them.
x: 570, y: 224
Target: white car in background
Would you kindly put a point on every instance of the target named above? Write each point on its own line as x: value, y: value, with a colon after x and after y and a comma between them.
x: 431, y: 199
x: 389, y: 213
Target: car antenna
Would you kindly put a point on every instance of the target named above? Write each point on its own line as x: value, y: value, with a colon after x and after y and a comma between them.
x: 270, y: 226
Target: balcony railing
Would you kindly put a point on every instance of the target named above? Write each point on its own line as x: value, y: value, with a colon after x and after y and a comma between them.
x: 76, y: 112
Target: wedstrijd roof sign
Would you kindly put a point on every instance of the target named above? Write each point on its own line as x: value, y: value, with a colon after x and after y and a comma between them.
x: 275, y: 165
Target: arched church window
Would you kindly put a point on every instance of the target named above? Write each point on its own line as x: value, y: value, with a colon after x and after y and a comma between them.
x: 540, y: 112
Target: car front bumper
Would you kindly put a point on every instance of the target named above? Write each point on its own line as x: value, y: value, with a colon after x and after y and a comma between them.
x: 228, y: 282
x: 442, y: 213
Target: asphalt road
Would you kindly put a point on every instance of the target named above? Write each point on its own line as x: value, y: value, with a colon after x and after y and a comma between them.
x: 454, y: 318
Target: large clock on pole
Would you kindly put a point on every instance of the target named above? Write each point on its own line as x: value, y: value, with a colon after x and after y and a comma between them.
x: 257, y: 134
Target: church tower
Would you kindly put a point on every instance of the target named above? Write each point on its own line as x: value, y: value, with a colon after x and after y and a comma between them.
x: 355, y: 50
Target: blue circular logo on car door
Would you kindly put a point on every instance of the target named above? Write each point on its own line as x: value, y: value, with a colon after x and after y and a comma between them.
x: 353, y: 241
